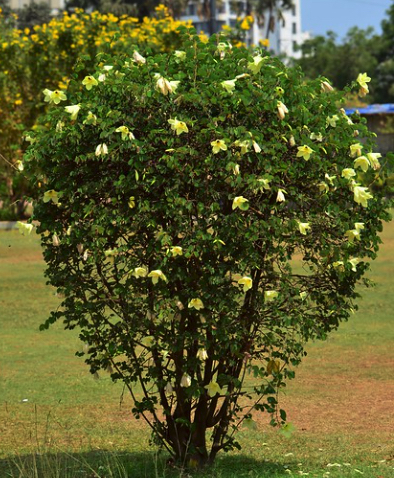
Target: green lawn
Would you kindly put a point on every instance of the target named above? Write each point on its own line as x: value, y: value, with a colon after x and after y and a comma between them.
x: 56, y: 420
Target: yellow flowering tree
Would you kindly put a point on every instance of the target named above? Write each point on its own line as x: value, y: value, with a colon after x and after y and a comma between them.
x: 198, y: 235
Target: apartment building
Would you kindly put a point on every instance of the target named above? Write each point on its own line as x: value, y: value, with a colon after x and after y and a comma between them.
x: 56, y: 5
x: 285, y: 38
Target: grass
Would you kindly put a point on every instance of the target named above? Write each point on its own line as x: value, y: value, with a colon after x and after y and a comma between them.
x: 57, y: 421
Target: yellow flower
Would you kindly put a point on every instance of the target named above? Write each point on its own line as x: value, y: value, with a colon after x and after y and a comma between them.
x: 244, y: 145
x: 186, y: 381
x: 329, y: 179
x: 352, y: 234
x: 19, y: 166
x: 256, y: 147
x: 89, y: 82
x: 24, y: 228
x: 326, y: 87
x: 229, y: 85
x: 316, y: 137
x: 165, y: 86
x: 101, y: 150
x: 282, y: 110
x: 270, y: 295
x: 354, y: 261
x: 57, y: 96
x: 304, y: 152
x: 139, y: 59
x: 213, y: 388
x: 323, y: 187
x: 241, y: 203
x: 51, y: 195
x: 355, y: 150
x: 131, y: 202
x: 90, y: 119
x: 126, y: 133
x: 247, y: 282
x: 255, y: 65
x: 156, y: 275
x: 176, y: 251
x: 362, y: 195
x: 362, y: 162
x: 73, y: 111
x: 178, y: 126
x: 30, y: 139
x: 180, y: 55
x: 218, y: 145
x: 303, y: 227
x: 196, y: 304
x: 332, y: 121
x: 264, y: 183
x: 48, y: 94
x: 348, y: 173
x: 359, y: 226
x: 338, y: 265
x: 374, y: 160
x: 362, y: 80
x: 281, y: 196
x: 140, y: 272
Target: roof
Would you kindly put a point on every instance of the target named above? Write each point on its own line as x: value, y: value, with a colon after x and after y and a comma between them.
x: 387, y: 108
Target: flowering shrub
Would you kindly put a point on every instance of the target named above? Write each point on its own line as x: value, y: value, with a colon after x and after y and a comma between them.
x: 201, y: 214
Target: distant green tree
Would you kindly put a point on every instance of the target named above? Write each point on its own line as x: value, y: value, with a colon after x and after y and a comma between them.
x: 33, y: 14
x: 342, y: 62
x: 384, y: 89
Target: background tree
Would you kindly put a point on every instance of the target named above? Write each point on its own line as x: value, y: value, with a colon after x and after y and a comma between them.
x: 384, y: 75
x: 341, y: 62
x: 33, y: 14
x: 203, y: 218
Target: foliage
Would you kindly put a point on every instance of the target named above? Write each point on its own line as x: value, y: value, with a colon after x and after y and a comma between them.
x: 201, y: 216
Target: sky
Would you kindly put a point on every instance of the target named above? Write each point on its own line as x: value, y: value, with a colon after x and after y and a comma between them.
x: 320, y: 16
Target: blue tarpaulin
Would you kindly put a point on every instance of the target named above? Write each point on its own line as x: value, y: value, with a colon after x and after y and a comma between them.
x: 373, y: 109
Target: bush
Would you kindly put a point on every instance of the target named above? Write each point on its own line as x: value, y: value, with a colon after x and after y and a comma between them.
x: 199, y: 213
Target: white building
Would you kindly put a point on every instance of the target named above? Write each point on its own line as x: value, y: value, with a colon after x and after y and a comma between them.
x: 283, y: 40
x: 55, y: 5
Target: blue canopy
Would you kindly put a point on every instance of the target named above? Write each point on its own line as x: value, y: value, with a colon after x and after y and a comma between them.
x: 372, y: 109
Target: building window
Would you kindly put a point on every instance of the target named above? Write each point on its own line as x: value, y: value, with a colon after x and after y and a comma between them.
x: 191, y: 9
x: 295, y: 46
x: 293, y: 10
x: 294, y: 28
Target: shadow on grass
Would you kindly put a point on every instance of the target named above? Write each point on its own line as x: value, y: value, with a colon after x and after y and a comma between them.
x: 122, y: 464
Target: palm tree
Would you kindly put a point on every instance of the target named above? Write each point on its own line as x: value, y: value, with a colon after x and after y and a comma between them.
x: 266, y: 12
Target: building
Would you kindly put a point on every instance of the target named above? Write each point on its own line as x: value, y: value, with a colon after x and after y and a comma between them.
x: 285, y: 38
x: 55, y: 5
x: 380, y: 120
